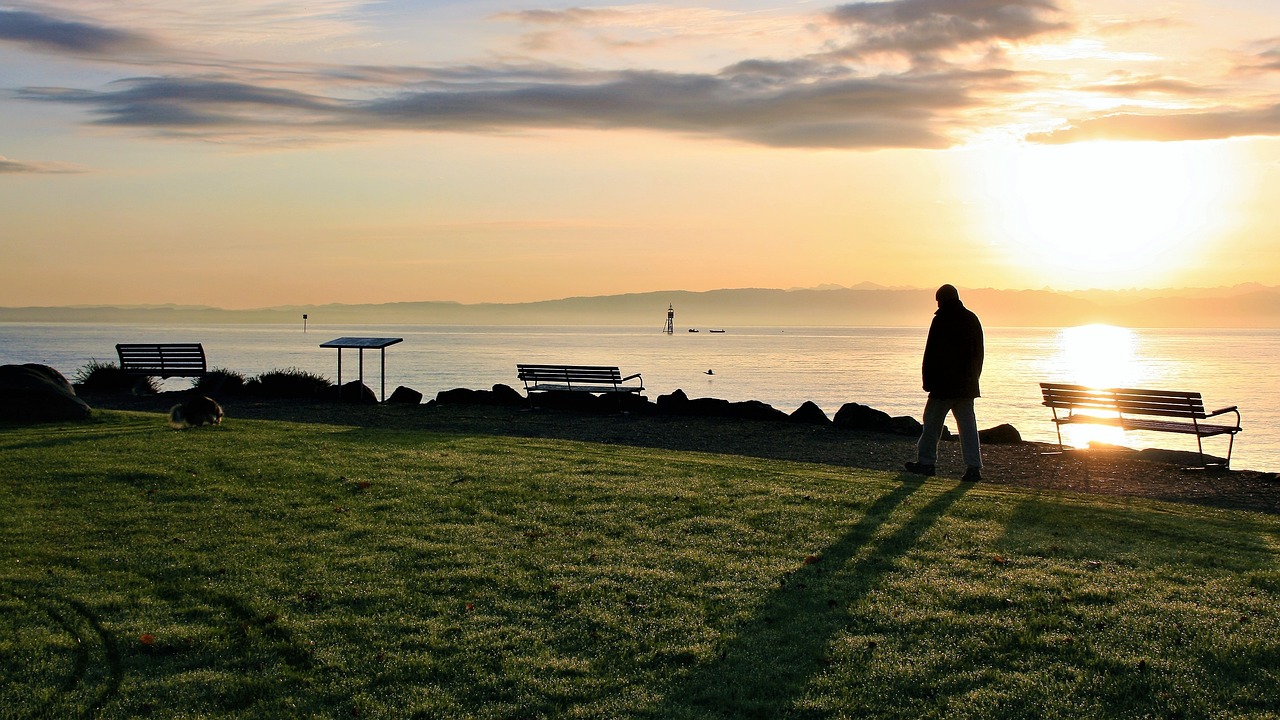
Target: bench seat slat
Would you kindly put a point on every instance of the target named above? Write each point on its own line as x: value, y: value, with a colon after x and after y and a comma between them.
x: 1140, y: 424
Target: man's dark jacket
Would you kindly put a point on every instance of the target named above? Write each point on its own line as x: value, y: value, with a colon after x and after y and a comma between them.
x: 953, y: 353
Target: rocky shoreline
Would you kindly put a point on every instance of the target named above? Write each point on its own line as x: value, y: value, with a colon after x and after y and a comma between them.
x: 861, y: 438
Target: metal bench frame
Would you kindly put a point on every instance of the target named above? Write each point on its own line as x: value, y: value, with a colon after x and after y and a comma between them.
x: 1120, y: 405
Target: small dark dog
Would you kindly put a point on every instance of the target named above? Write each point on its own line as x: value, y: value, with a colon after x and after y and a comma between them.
x: 196, y: 411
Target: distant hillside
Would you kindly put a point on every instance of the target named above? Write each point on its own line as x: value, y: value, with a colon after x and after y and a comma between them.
x: 1244, y: 306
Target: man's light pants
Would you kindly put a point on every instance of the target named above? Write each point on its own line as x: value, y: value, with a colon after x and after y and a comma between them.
x: 935, y: 415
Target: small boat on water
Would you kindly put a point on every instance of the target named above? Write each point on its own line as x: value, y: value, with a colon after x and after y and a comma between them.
x: 717, y: 331
x: 693, y: 329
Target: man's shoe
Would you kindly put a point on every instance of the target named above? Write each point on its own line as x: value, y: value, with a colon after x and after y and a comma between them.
x: 921, y: 469
x: 972, y: 474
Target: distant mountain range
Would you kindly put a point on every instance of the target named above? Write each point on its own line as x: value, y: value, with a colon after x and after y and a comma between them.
x: 1243, y: 306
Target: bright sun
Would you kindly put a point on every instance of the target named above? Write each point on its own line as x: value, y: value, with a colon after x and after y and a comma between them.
x: 1103, y: 213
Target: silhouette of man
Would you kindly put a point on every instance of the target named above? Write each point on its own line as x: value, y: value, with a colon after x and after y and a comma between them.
x: 951, y: 368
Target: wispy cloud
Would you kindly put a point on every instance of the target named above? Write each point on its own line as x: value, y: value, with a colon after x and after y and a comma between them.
x: 925, y: 29
x: 48, y: 33
x: 900, y: 111
x: 15, y: 167
x: 1214, y: 125
x: 235, y: 23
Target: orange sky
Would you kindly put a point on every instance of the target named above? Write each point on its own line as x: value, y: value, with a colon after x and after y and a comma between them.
x: 223, y: 154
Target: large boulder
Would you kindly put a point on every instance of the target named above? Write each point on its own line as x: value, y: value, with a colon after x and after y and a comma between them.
x: 905, y: 425
x: 38, y: 393
x: 354, y: 392
x: 464, y: 396
x: 677, y: 403
x: 809, y: 413
x: 507, y: 395
x: 755, y: 410
x: 405, y: 396
x: 861, y: 417
x: 1005, y: 434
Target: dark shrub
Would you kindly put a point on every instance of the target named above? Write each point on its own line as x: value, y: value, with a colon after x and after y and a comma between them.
x: 288, y: 383
x: 219, y: 381
x: 107, y: 377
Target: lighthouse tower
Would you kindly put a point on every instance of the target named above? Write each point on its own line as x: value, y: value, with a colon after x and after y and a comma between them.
x: 671, y: 318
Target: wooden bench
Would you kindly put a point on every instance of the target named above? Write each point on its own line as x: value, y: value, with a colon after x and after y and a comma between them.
x: 163, y: 360
x: 1153, y: 409
x: 576, y: 378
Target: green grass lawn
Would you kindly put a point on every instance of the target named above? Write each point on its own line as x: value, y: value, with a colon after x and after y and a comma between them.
x: 271, y: 569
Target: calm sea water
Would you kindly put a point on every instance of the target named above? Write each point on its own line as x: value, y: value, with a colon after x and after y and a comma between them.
x: 780, y: 366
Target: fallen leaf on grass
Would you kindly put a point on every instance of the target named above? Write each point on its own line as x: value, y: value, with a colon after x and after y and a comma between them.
x: 999, y: 559
x: 147, y: 639
x: 811, y: 559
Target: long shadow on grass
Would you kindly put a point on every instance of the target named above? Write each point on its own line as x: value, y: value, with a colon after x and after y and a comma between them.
x: 766, y: 666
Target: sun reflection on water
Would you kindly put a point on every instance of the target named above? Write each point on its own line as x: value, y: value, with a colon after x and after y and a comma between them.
x: 1100, y: 356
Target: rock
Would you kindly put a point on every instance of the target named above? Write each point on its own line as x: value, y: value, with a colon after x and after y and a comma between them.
x: 674, y: 404
x: 677, y: 403
x: 507, y: 395
x: 38, y: 393
x: 634, y: 403
x: 1004, y: 434
x: 707, y: 407
x: 861, y: 417
x: 1181, y: 458
x: 755, y: 410
x: 569, y: 400
x: 354, y: 392
x: 809, y: 413
x: 905, y: 425
x: 405, y: 396
x: 464, y: 396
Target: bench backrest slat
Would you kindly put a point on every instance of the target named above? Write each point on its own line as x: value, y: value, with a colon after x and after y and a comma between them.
x: 1137, y: 401
x: 569, y: 373
x: 162, y: 359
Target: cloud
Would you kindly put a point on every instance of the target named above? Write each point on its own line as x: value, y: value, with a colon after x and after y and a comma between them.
x: 237, y: 23
x: 922, y: 29
x: 570, y: 16
x: 16, y: 167
x: 47, y: 33
x: 1216, y: 125
x: 1270, y: 58
x: 847, y: 112
x: 853, y: 91
x: 1125, y: 87
x: 195, y: 105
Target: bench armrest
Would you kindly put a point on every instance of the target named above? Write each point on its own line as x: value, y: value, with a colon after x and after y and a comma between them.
x: 1223, y: 410
x: 632, y: 377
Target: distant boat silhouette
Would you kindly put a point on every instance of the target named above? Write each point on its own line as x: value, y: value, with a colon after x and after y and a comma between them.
x: 693, y: 329
x: 717, y: 331
x: 709, y: 372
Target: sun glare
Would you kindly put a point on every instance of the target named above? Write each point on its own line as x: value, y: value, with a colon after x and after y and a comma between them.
x: 1103, y: 213
x: 1099, y: 356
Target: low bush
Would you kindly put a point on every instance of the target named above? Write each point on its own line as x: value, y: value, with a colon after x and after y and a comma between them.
x: 98, y: 376
x: 288, y: 383
x: 220, y: 381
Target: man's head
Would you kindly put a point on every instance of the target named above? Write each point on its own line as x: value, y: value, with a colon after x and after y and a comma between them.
x: 947, y: 294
